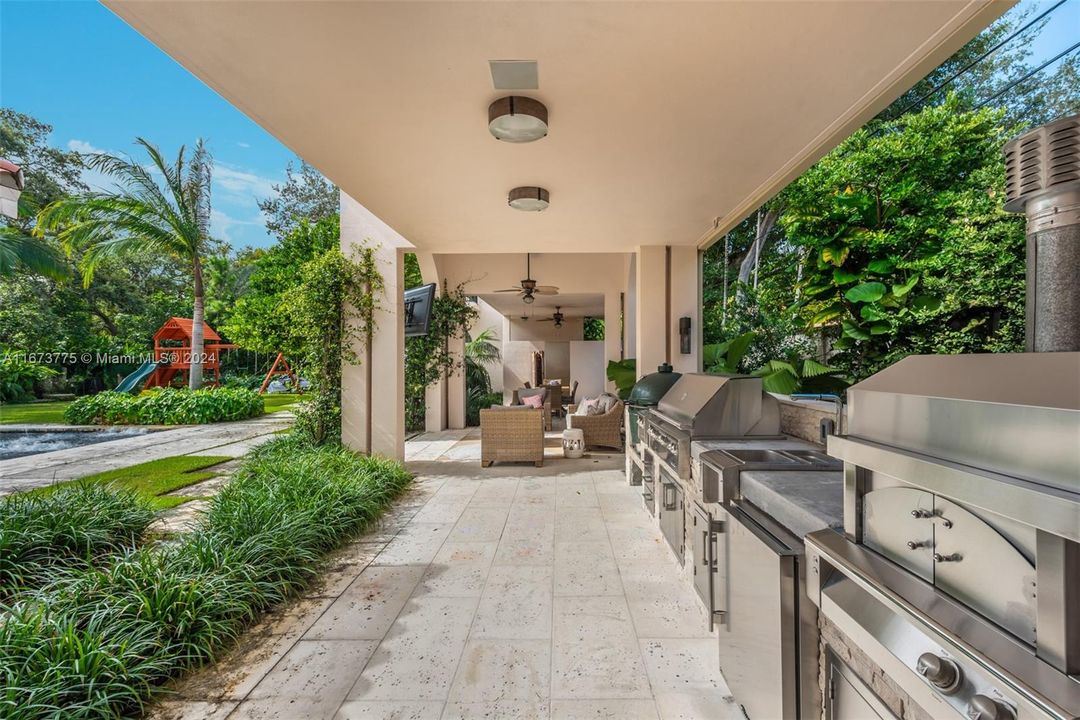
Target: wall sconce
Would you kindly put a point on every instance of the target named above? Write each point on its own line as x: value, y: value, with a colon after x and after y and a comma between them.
x: 684, y: 335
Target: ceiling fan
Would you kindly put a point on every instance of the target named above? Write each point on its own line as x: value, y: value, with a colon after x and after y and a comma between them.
x: 528, y: 287
x: 556, y: 317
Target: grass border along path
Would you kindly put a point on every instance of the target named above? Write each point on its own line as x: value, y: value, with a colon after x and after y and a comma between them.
x: 152, y: 480
x: 99, y: 642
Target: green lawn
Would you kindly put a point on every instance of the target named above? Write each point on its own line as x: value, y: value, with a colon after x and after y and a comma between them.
x: 155, y: 478
x: 42, y: 412
x: 281, y: 401
x: 53, y: 412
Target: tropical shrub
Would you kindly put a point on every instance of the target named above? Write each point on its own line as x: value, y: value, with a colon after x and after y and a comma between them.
x: 99, y: 641
x: 624, y: 374
x: 168, y: 406
x: 801, y: 376
x: 476, y: 400
x: 727, y: 356
x: 43, y: 532
x: 246, y: 381
x: 18, y: 376
x: 907, y: 248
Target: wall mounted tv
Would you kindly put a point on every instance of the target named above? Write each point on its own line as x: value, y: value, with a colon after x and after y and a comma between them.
x: 418, y: 309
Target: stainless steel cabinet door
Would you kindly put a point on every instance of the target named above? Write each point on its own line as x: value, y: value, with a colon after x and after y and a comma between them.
x: 757, y: 652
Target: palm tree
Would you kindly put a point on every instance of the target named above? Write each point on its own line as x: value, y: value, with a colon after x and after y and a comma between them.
x: 171, y: 217
x: 479, y: 352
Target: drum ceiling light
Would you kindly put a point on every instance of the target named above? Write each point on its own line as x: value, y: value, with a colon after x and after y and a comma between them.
x: 517, y: 119
x: 529, y: 199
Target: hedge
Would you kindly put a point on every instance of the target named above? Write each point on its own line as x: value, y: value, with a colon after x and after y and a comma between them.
x: 168, y: 406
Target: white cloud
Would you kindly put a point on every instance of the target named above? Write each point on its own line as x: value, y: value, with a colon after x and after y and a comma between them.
x: 96, y: 180
x: 241, y: 183
x: 244, y: 145
x: 222, y: 224
x: 83, y: 147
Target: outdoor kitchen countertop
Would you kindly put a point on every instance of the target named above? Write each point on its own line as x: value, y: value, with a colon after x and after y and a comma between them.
x: 802, y: 501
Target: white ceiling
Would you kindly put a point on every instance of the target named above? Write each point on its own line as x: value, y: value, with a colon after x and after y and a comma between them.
x: 573, y: 305
x: 669, y: 121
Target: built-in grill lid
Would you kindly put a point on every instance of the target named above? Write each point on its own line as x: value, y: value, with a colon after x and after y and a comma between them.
x: 707, y: 405
x: 1017, y: 414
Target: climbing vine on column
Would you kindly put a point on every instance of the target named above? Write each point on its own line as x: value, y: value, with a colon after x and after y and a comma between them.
x: 333, y: 317
x: 428, y: 357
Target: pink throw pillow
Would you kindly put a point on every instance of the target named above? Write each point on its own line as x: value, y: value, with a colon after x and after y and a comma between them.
x: 533, y: 401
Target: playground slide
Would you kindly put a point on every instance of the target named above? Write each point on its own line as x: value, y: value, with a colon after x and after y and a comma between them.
x: 131, y: 382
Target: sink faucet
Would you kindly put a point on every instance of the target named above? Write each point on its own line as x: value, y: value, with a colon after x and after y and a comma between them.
x: 835, y: 399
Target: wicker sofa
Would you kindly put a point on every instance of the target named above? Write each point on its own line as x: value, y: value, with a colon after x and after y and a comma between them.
x: 511, y: 434
x: 601, y: 430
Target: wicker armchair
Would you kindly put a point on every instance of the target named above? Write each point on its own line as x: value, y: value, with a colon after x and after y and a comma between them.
x: 511, y: 435
x: 603, y: 429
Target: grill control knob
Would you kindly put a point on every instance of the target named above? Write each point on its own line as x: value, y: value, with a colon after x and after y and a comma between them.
x: 940, y: 672
x: 982, y: 707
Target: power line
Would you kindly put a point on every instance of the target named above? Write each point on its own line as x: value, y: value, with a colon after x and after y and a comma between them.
x: 982, y: 57
x: 1037, y: 70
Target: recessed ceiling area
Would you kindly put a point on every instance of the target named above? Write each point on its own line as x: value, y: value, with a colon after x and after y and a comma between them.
x: 669, y: 121
x: 573, y: 305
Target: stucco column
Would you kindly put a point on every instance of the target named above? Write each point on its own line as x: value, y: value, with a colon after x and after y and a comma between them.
x: 651, y: 307
x: 686, y: 302
x: 435, y: 417
x: 455, y: 388
x: 612, y: 340
x: 373, y: 391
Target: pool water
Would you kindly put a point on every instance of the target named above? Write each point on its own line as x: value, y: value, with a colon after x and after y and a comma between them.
x: 20, y: 444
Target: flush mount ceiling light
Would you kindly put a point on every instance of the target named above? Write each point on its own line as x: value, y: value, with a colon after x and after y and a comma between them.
x: 531, y: 199
x: 517, y: 119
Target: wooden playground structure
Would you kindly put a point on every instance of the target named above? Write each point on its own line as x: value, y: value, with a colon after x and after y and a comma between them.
x: 172, y: 352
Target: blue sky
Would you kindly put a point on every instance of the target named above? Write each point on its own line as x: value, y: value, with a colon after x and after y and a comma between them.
x: 100, y: 84
x: 79, y: 68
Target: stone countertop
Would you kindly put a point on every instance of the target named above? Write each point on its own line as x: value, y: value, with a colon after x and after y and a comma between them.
x: 801, y: 501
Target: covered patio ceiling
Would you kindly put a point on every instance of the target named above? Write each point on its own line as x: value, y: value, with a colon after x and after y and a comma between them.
x: 669, y: 121
x: 571, y: 304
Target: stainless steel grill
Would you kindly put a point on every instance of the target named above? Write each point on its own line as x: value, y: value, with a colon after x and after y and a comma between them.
x: 959, y: 568
x: 703, y: 406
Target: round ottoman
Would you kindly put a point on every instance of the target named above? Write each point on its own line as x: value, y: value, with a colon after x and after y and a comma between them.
x: 573, y: 443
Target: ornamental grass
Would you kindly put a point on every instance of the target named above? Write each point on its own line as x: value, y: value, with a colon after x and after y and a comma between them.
x: 97, y: 641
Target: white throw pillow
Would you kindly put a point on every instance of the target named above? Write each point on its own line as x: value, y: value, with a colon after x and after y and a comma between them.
x: 605, y: 402
x: 587, y: 407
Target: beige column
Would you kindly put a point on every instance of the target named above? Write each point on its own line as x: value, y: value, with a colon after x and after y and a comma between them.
x: 435, y: 419
x: 455, y: 388
x: 612, y: 340
x: 686, y: 302
x: 373, y: 391
x: 650, y: 284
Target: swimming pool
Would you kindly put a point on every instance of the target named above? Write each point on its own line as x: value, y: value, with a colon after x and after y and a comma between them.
x: 20, y: 443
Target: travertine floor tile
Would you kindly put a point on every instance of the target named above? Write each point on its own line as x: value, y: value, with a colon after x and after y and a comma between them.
x: 418, y: 657
x: 596, y: 654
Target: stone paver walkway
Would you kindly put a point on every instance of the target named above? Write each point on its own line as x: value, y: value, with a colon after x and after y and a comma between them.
x: 230, y: 438
x: 506, y: 592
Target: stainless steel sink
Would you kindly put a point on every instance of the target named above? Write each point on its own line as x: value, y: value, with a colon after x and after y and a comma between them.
x: 772, y: 457
x: 813, y: 456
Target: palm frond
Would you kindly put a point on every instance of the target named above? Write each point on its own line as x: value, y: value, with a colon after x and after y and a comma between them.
x: 18, y: 248
x: 156, y: 207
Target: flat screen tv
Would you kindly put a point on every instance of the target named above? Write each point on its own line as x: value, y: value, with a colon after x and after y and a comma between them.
x: 418, y: 309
